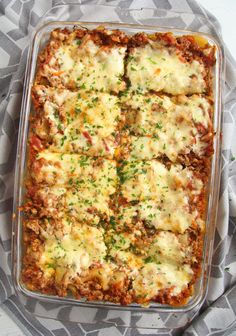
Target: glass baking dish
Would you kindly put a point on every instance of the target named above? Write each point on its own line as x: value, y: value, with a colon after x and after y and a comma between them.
x: 38, y: 42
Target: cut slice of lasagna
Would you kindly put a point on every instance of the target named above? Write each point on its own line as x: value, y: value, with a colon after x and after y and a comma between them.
x: 80, y: 59
x: 77, y: 122
x: 150, y: 192
x: 174, y: 65
x: 160, y: 125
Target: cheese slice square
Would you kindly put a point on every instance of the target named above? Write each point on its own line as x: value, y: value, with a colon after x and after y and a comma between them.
x: 91, y: 61
x: 158, y: 65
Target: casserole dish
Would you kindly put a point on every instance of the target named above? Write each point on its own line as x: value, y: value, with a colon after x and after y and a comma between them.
x: 200, y: 288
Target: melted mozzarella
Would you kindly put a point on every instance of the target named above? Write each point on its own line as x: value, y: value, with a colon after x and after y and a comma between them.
x: 161, y: 264
x: 85, y: 204
x: 79, y: 122
x: 168, y: 247
x: 163, y: 195
x: 152, y: 278
x: 84, y: 143
x: 72, y: 169
x: 132, y: 262
x: 75, y: 113
x: 120, y: 251
x: 154, y: 67
x: 179, y: 142
x: 75, y: 251
x: 152, y: 180
x: 87, y: 66
x: 164, y: 127
x: 171, y: 212
x: 105, y: 273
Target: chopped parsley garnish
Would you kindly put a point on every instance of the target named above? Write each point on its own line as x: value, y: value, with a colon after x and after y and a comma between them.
x: 149, y: 260
x: 113, y: 222
x: 63, y: 140
x: 51, y: 265
x: 151, y: 60
x: 133, y: 68
x: 78, y: 110
x: 84, y: 161
x: 94, y: 99
x: 158, y: 125
x: 130, y: 58
x: 70, y: 181
x: 83, y: 86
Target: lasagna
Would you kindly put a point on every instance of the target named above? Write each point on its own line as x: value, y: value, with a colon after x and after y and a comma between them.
x: 119, y: 155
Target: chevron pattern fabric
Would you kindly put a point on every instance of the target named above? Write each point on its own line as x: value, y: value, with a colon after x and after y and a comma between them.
x: 18, y: 20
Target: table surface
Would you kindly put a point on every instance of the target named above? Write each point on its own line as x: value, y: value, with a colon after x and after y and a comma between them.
x: 224, y: 11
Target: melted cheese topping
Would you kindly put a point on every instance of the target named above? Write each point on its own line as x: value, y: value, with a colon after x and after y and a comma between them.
x: 120, y: 250
x: 162, y: 214
x: 84, y: 143
x: 96, y: 113
x: 87, y: 66
x: 75, y: 252
x: 105, y: 273
x: 120, y: 229
x: 152, y: 278
x: 79, y: 122
x: 159, y: 265
x: 72, y: 169
x: 154, y: 67
x: 85, y: 204
x: 164, y: 246
x: 165, y: 127
x: 144, y: 180
x: 159, y: 191
x: 167, y: 247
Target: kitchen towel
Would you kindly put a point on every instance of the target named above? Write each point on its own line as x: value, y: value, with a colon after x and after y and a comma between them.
x: 18, y: 20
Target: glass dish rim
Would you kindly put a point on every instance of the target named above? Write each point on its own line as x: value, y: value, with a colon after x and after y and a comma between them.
x: 21, y: 148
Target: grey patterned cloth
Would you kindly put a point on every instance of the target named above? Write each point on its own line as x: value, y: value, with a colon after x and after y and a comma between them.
x: 18, y: 20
